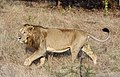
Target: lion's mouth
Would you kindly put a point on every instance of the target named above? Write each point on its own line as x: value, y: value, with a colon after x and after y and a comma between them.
x: 22, y: 41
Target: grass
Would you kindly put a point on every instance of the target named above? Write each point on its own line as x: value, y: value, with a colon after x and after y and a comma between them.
x: 106, y: 7
x: 15, y: 16
x: 63, y: 67
x: 115, y: 69
x: 88, y: 72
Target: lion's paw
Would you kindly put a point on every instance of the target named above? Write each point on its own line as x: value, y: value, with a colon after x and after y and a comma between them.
x: 27, y: 62
x: 42, y: 61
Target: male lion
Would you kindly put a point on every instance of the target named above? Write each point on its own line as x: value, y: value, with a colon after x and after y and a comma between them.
x: 56, y: 40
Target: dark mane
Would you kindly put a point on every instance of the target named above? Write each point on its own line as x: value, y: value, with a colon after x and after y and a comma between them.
x: 35, y: 26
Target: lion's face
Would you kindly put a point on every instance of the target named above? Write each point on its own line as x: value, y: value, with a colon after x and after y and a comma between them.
x: 25, y: 34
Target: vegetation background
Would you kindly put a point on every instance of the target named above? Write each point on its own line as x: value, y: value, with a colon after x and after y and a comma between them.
x: 88, y: 16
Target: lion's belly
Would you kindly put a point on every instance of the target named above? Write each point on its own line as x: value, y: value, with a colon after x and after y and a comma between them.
x: 58, y: 50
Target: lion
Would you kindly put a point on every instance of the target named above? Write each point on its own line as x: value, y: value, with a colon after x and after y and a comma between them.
x: 56, y: 40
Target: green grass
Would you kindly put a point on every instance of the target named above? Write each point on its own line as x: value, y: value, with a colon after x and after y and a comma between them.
x: 106, y: 7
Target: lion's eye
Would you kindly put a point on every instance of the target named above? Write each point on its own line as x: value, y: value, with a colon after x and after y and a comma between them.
x: 27, y: 37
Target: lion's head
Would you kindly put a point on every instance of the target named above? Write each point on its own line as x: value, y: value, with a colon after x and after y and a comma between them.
x: 26, y: 34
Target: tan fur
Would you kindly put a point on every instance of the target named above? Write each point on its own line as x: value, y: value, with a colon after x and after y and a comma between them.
x: 54, y: 40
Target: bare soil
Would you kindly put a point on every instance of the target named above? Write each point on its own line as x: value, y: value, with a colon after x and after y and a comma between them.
x: 12, y: 53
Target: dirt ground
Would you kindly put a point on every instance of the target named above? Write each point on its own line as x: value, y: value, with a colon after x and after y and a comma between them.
x: 12, y: 53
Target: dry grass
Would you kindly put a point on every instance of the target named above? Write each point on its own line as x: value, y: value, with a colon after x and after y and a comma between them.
x: 12, y: 53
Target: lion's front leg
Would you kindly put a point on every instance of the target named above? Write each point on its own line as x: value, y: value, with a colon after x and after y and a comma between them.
x: 42, y: 61
x: 34, y: 56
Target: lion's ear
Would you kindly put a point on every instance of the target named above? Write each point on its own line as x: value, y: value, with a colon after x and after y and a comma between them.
x: 26, y: 25
x: 30, y: 28
x: 44, y: 32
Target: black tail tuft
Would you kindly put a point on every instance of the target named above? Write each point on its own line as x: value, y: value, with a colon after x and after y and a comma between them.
x: 106, y: 30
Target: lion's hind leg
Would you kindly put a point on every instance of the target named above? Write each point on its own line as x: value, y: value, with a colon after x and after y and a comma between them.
x: 86, y: 48
x: 74, y: 53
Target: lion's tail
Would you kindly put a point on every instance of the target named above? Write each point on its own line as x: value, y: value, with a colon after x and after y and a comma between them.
x: 104, y: 30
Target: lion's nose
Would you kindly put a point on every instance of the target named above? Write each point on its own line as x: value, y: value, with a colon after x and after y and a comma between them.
x: 19, y: 38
